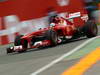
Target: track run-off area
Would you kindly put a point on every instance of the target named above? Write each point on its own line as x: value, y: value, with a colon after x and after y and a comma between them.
x: 78, y: 57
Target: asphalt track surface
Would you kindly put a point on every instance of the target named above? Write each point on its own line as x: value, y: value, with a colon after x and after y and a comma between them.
x: 32, y: 60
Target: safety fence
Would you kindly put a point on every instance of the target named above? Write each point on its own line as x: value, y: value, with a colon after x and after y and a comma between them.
x: 10, y: 26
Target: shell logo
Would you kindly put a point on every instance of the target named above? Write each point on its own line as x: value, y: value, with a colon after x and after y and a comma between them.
x: 63, y: 2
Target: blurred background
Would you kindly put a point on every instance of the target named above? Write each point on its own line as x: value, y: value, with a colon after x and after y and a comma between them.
x: 25, y: 16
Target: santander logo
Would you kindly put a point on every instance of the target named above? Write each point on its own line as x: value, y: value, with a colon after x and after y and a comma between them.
x: 63, y: 2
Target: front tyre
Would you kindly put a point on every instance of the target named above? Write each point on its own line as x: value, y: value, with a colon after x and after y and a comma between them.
x: 52, y: 36
x: 18, y: 41
x: 9, y: 50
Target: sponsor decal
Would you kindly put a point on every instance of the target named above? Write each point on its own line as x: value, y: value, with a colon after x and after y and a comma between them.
x: 85, y: 17
x: 74, y: 15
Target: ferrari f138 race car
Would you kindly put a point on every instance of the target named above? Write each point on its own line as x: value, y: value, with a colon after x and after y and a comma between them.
x: 60, y: 29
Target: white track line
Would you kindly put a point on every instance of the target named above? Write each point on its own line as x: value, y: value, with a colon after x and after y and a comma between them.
x: 62, y: 57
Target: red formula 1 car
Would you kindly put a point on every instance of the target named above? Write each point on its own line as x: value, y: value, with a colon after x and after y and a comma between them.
x: 60, y: 29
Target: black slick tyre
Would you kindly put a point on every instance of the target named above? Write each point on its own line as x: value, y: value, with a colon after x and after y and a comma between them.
x: 9, y: 50
x: 18, y: 42
x: 52, y: 36
x: 91, y: 29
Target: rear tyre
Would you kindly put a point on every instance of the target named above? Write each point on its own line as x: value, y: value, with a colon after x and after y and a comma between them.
x: 52, y: 36
x: 91, y: 29
x: 18, y: 42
